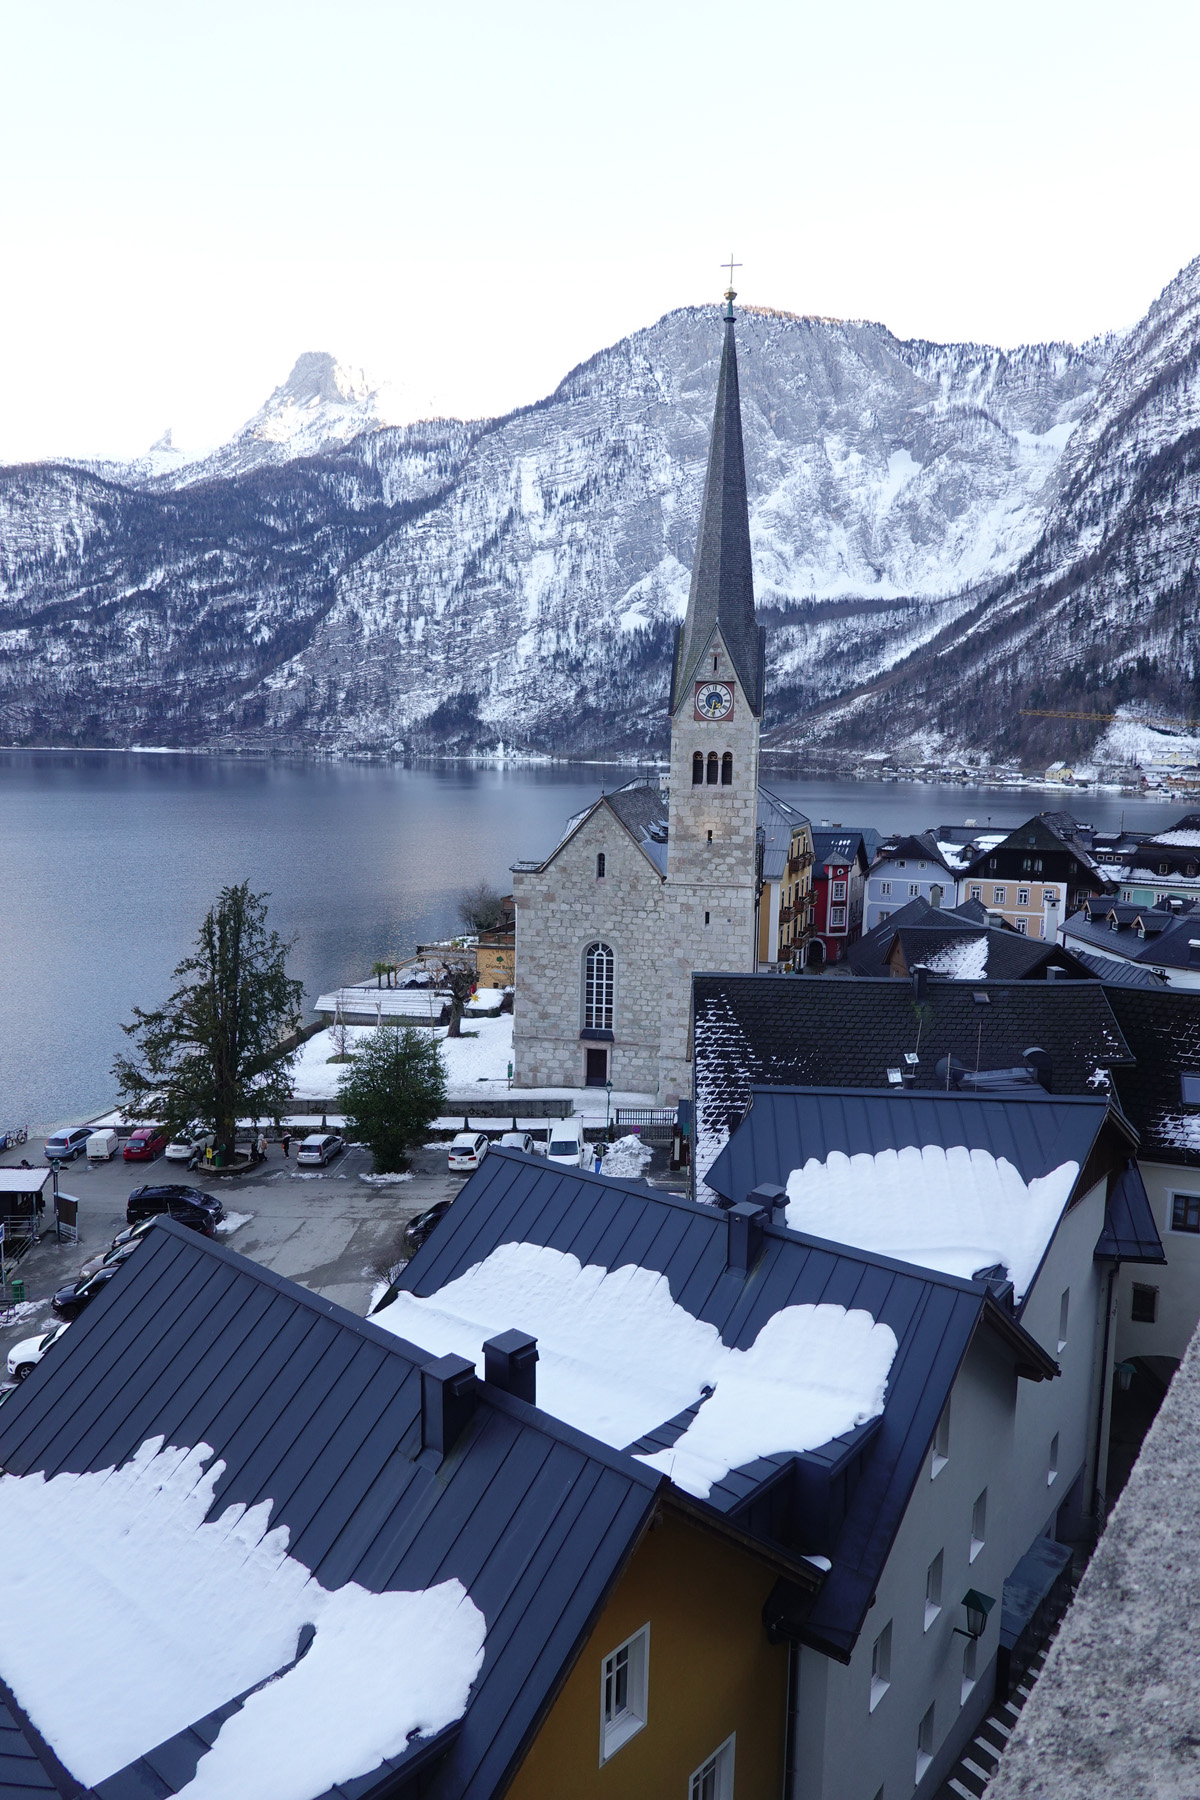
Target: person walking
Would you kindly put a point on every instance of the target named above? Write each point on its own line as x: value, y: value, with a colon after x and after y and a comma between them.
x: 287, y: 1143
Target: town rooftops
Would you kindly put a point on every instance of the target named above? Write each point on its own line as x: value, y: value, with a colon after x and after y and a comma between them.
x: 461, y: 1534
x: 1159, y: 936
x: 1045, y: 831
x: 958, y: 943
x: 918, y: 847
x: 777, y: 819
x: 838, y: 845
x: 637, y: 1299
x: 1162, y: 1030
x: 641, y: 808
x: 951, y: 1181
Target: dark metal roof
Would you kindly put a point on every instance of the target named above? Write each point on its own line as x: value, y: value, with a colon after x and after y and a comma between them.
x: 1162, y: 1029
x: 842, y: 845
x: 24, y: 1763
x: 722, y: 591
x: 1130, y: 1233
x: 921, y: 846
x: 516, y: 1199
x: 1165, y: 946
x: 777, y: 819
x: 1119, y: 974
x: 319, y: 1412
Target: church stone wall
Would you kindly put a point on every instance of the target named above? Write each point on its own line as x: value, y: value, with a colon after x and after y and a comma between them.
x: 560, y: 911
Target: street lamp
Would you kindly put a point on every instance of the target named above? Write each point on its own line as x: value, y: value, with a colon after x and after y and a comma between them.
x: 607, y: 1107
x: 978, y: 1606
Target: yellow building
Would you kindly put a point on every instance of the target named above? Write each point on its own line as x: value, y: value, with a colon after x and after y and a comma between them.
x: 796, y: 911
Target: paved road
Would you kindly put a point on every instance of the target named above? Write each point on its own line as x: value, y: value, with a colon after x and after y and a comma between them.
x: 329, y: 1229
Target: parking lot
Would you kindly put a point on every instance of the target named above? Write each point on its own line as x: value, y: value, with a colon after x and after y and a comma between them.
x: 330, y: 1229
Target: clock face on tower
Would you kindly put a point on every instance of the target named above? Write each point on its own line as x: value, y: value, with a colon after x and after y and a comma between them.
x: 714, y: 700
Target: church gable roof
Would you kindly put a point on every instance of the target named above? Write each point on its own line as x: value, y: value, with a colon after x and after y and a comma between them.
x: 640, y: 807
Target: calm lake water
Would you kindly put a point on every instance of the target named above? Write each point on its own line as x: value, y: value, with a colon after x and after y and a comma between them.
x: 108, y: 862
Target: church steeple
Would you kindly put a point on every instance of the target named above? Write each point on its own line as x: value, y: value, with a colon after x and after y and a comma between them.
x: 722, y: 592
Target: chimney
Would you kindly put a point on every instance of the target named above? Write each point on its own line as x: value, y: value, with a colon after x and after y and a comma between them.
x: 1194, y: 953
x: 772, y: 1200
x: 1039, y: 1062
x: 935, y: 895
x: 447, y: 1402
x: 1054, y: 973
x: 920, y: 976
x: 744, y: 1224
x: 510, y: 1363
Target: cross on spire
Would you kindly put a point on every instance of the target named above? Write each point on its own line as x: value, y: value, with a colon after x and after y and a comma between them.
x: 732, y: 266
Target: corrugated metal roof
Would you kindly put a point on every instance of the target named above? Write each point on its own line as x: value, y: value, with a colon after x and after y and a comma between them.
x: 319, y: 1412
x: 1130, y: 1233
x: 516, y: 1199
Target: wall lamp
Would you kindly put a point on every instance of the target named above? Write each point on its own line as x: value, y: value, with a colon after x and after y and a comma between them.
x: 1124, y: 1372
x: 978, y: 1606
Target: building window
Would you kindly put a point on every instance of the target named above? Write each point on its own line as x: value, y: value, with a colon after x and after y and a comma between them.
x: 941, y: 1444
x: 600, y: 866
x: 884, y: 915
x: 727, y: 769
x: 933, y: 1590
x: 914, y: 888
x: 901, y: 864
x: 1052, y: 1465
x: 1164, y: 868
x: 1022, y: 896
x: 1037, y: 865
x: 1126, y: 894
x: 713, y: 768
x: 1026, y: 864
x: 713, y: 1780
x: 1144, y: 1307
x: 624, y: 1681
x: 1064, y: 1313
x: 991, y: 865
x: 839, y: 890
x: 698, y: 769
x: 881, y: 1665
x: 1022, y: 926
x: 1189, y: 1087
x: 997, y: 896
x: 837, y: 918
x: 1185, y: 1212
x: 976, y: 893
x: 885, y: 888
x: 1050, y: 896
x: 598, y: 964
x: 978, y: 1526
x: 970, y: 1668
x: 924, y: 1743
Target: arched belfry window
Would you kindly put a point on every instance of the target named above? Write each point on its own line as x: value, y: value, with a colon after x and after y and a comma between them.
x: 698, y: 768
x: 598, y: 963
x: 712, y: 768
x: 600, y: 866
x: 727, y: 769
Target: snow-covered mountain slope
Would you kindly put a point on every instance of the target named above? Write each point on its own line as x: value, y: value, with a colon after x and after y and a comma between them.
x: 328, y: 581
x: 1102, y: 611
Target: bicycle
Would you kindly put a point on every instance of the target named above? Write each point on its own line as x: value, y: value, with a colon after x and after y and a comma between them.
x: 9, y: 1140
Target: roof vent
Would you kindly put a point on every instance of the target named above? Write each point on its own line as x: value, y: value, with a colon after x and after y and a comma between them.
x: 772, y: 1199
x: 1175, y: 904
x: 447, y: 1403
x: 1054, y: 973
x: 510, y: 1364
x: 745, y: 1224
x: 1039, y: 1061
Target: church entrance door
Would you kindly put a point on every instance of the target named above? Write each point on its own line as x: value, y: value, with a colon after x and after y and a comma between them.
x: 597, y: 1068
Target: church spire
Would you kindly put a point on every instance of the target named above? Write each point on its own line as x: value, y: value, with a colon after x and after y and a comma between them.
x: 722, y: 592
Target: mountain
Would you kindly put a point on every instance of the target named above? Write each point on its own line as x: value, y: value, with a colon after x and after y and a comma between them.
x: 939, y: 536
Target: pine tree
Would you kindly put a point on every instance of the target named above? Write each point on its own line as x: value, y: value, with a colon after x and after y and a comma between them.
x: 392, y: 1092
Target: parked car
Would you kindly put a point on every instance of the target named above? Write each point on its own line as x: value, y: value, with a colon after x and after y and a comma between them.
x: 65, y: 1146
x: 24, y: 1357
x: 70, y: 1301
x: 467, y: 1151
x: 102, y: 1145
x: 320, y: 1147
x: 117, y: 1253
x: 203, y: 1212
x: 418, y: 1229
x: 567, y: 1146
x: 132, y: 1234
x: 195, y: 1140
x: 144, y: 1144
x: 520, y: 1140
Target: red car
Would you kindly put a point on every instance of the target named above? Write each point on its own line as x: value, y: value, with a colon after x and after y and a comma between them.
x: 144, y: 1144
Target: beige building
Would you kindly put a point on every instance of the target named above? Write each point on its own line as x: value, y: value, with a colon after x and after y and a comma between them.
x: 797, y: 912
x: 646, y: 887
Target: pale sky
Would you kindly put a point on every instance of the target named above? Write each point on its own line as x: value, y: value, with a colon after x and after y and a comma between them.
x: 469, y: 199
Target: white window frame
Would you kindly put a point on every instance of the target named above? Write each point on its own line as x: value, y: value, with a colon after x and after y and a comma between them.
x: 1064, y: 1318
x: 1180, y: 1230
x: 837, y: 918
x: 1022, y: 896
x: 998, y: 894
x: 978, y: 1525
x: 721, y: 1764
x: 1052, y: 1462
x: 839, y: 890
x: 925, y: 1743
x: 1022, y: 926
x: 970, y: 1670
x: 881, y: 1666
x: 617, y: 1727
x: 914, y: 890
x: 941, y: 1444
x: 885, y: 888
x: 599, y: 985
x: 933, y: 1589
x: 977, y: 894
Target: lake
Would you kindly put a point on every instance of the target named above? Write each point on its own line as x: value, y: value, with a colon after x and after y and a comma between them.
x: 108, y: 862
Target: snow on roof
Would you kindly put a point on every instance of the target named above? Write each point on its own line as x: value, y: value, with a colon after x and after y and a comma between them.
x: 955, y: 856
x: 956, y: 1210
x: 1188, y: 839
x: 123, y: 1587
x: 617, y: 1356
x: 965, y: 960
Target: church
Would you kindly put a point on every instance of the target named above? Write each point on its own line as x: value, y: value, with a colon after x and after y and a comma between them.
x: 648, y: 885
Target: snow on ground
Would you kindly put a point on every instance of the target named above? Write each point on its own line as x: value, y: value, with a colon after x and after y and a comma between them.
x: 129, y: 1617
x: 387, y: 1180
x: 234, y: 1221
x: 1127, y: 740
x: 626, y: 1159
x: 476, y: 1063
x: 956, y: 1210
x: 965, y: 960
x: 618, y: 1356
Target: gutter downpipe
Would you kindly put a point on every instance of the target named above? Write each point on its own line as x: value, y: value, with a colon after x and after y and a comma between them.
x: 789, y: 1732
x: 1104, y: 1422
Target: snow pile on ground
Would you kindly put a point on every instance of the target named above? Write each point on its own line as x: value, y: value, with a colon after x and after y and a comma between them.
x: 618, y: 1356
x: 626, y: 1159
x: 965, y: 959
x: 387, y: 1180
x: 234, y: 1221
x: 478, y: 1064
x: 129, y: 1617
x: 956, y: 1210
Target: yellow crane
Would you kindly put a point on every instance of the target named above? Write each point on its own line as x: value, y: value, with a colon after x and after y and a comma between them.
x: 1032, y: 712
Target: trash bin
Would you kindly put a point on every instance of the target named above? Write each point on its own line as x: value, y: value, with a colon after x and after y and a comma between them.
x: 18, y: 1290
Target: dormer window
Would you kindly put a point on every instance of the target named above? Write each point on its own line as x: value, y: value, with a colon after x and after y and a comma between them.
x: 1164, y: 868
x: 1189, y: 1088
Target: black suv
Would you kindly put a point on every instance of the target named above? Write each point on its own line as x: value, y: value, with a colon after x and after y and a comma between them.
x: 203, y: 1212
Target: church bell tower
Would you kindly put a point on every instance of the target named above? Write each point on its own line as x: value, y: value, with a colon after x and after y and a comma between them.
x: 716, y: 714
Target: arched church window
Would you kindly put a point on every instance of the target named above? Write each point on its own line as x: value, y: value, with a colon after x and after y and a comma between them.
x: 598, y: 966
x: 727, y: 769
x: 698, y: 768
x: 712, y: 768
x: 600, y: 866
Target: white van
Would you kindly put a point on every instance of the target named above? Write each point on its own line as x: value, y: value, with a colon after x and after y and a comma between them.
x: 102, y: 1145
x: 566, y: 1146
